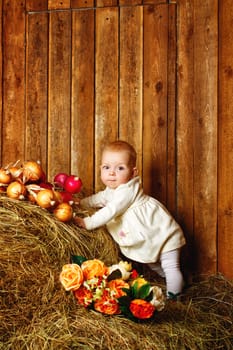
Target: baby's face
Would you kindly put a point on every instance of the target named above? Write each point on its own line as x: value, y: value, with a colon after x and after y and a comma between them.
x: 115, y: 169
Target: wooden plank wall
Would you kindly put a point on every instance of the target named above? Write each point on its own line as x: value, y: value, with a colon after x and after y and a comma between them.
x: 76, y: 74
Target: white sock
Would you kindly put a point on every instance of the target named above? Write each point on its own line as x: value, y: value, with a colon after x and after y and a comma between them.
x: 170, y: 262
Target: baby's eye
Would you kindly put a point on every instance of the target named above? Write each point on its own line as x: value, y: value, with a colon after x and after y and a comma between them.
x: 105, y: 167
x: 120, y: 168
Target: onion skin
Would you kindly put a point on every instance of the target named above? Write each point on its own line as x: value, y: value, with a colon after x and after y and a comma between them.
x: 73, y: 184
x: 63, y: 212
x: 16, y: 190
x: 5, y: 176
x: 57, y: 197
x: 16, y: 172
x: 32, y: 171
x: 46, y: 198
x: 32, y: 190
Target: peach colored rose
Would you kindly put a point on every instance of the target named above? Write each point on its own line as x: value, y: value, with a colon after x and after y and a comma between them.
x: 84, y: 296
x: 116, y: 286
x: 71, y: 277
x: 141, y: 309
x: 93, y: 268
x: 107, y: 305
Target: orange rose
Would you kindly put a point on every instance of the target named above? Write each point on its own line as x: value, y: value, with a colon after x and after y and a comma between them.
x: 116, y: 286
x: 141, y: 308
x: 93, y: 268
x: 84, y: 296
x: 107, y: 305
x: 71, y: 276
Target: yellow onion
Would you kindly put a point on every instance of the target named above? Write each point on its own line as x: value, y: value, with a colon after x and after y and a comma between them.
x: 32, y: 191
x: 57, y: 197
x: 16, y: 172
x: 32, y: 171
x: 63, y: 212
x: 5, y: 176
x: 16, y: 190
x: 45, y: 198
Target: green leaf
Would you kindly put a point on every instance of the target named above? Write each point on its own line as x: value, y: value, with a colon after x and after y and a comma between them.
x: 134, y: 290
x: 128, y: 291
x: 150, y: 296
x: 114, y: 275
x: 144, y: 291
x: 124, y: 300
x: 77, y: 259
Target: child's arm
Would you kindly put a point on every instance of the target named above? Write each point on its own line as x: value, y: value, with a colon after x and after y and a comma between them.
x: 94, y: 201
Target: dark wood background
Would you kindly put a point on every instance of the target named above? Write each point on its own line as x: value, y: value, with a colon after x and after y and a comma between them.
x: 77, y: 74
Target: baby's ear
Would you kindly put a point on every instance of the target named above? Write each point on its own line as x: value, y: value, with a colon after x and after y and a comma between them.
x: 135, y: 172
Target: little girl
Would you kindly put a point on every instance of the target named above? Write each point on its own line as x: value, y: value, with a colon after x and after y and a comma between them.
x: 141, y: 226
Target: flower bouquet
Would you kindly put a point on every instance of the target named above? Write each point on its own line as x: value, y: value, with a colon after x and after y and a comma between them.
x: 114, y: 290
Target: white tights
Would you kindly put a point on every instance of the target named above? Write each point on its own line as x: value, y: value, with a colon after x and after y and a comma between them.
x: 169, y: 267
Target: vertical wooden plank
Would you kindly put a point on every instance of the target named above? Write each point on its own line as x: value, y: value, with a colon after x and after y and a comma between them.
x: 184, y: 131
x: 58, y: 4
x: 155, y: 100
x: 1, y: 79
x: 171, y: 101
x: 13, y: 81
x: 36, y: 5
x: 74, y: 4
x: 225, y: 150
x: 106, y: 67
x: 205, y: 133
x: 131, y: 72
x: 130, y: 2
x: 36, y: 87
x: 155, y: 2
x: 106, y: 3
x: 82, y: 132
x: 59, y: 93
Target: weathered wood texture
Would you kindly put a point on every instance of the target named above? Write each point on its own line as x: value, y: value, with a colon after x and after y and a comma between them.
x: 225, y: 148
x: 197, y: 129
x: 77, y: 74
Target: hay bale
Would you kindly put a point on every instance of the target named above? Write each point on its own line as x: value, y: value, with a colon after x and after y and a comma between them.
x: 36, y: 313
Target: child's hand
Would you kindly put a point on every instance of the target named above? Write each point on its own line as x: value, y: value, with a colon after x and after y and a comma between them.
x: 77, y: 201
x: 79, y: 221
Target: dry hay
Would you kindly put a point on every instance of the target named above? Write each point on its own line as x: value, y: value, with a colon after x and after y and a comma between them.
x: 36, y: 313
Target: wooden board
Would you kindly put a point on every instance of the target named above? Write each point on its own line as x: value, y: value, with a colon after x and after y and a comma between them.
x: 155, y: 101
x: 225, y: 150
x: 36, y: 87
x: 36, y: 5
x: 58, y: 4
x: 106, y: 82
x: 131, y: 75
x: 59, y: 93
x: 171, y: 111
x: 184, y: 127
x: 82, y: 123
x: 1, y: 77
x: 13, y: 121
x: 205, y: 134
